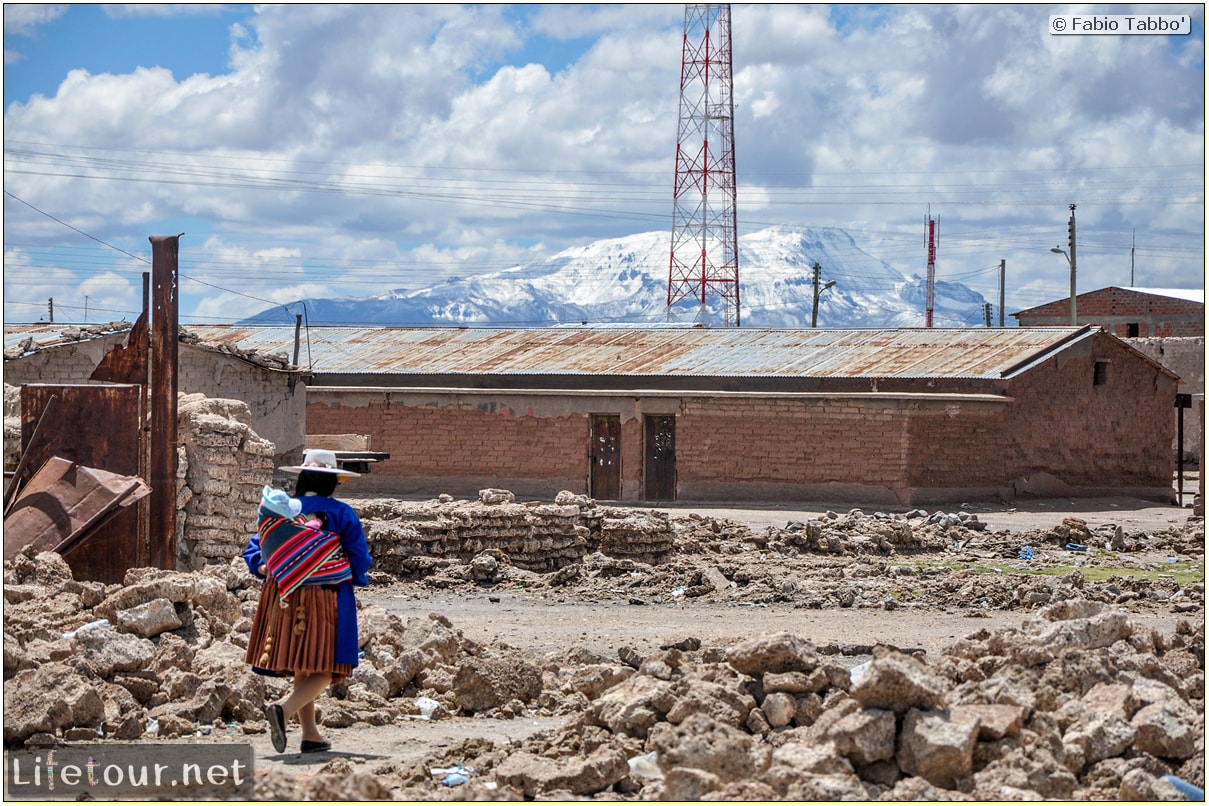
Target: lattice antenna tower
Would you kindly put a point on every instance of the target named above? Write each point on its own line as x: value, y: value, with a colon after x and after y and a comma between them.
x: 932, y: 239
x: 705, y: 248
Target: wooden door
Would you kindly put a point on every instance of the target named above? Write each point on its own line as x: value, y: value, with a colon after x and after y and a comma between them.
x: 604, y: 453
x: 659, y: 465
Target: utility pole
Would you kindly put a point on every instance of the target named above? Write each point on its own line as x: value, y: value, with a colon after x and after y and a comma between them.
x: 1074, y: 316
x: 987, y: 313
x: 50, y: 308
x: 814, y: 314
x: 1002, y: 278
x: 1133, y: 245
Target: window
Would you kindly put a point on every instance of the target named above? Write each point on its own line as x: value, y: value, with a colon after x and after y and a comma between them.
x: 1100, y: 374
x: 1131, y: 330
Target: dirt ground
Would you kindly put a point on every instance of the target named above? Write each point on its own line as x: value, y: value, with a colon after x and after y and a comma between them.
x: 600, y: 617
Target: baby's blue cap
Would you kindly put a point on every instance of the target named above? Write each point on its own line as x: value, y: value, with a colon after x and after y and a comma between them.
x: 280, y: 503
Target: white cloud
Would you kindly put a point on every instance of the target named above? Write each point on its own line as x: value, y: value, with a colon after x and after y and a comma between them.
x: 419, y: 141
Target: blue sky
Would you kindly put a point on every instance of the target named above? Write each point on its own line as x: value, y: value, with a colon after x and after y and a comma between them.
x: 314, y: 150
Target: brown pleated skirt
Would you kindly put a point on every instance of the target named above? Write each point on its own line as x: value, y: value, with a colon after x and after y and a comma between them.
x: 300, y: 638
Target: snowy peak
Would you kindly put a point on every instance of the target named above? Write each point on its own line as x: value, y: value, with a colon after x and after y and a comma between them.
x: 624, y: 281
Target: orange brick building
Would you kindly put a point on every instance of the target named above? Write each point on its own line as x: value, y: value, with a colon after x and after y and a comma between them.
x: 736, y: 414
x: 1129, y: 313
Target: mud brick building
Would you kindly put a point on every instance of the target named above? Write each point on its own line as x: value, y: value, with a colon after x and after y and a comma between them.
x: 1130, y: 313
x: 737, y: 414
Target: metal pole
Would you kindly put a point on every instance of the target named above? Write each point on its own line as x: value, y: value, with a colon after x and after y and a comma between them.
x: 165, y: 341
x: 1002, y: 273
x: 1074, y: 315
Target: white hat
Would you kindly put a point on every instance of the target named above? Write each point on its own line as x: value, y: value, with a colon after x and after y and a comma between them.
x: 322, y: 460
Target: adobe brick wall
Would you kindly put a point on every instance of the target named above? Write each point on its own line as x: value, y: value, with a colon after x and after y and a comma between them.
x: 1115, y: 309
x: 459, y: 448
x: 1186, y: 358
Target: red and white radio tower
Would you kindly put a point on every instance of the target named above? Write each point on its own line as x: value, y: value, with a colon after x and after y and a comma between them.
x: 705, y: 246
x: 932, y: 234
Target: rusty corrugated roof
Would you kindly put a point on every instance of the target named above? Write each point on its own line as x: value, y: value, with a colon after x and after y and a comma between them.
x: 657, y: 351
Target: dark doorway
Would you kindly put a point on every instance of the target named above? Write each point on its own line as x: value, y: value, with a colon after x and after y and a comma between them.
x: 660, y: 458
x: 605, y: 454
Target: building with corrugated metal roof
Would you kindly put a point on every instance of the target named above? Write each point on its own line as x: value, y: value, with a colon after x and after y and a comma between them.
x: 738, y: 414
x: 709, y: 415
x: 1131, y: 313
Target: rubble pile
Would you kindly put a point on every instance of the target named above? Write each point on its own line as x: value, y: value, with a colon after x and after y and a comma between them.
x: 946, y: 561
x: 277, y: 361
x: 1078, y: 704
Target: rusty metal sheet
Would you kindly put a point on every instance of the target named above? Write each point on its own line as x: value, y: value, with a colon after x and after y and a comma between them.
x: 97, y: 426
x: 127, y: 363
x: 658, y: 351
x: 63, y: 504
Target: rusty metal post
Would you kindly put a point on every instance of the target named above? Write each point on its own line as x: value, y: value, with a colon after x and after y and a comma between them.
x: 165, y: 341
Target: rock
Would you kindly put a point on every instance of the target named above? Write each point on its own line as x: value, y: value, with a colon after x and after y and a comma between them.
x: 724, y: 704
x: 593, y: 680
x: 780, y: 652
x: 938, y: 745
x: 483, y: 683
x: 1163, y: 733
x: 105, y: 650
x: 995, y: 721
x: 48, y: 698
x: 865, y: 737
x: 402, y: 670
x: 702, y: 743
x: 779, y: 708
x: 537, y: 775
x: 148, y: 619
x: 634, y: 706
x: 1112, y: 698
x: 898, y: 682
x: 1099, y: 735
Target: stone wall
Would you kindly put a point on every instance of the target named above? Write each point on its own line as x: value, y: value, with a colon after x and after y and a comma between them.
x: 222, y: 470
x: 532, y: 536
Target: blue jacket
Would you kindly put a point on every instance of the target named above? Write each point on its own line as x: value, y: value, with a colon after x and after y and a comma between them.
x: 341, y: 519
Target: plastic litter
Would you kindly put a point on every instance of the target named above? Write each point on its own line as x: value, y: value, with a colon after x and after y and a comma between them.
x: 153, y: 727
x: 860, y: 672
x: 646, y: 766
x: 427, y: 706
x: 99, y: 624
x: 1026, y: 553
x: 454, y: 776
x: 1186, y: 789
x: 679, y: 591
x: 1076, y: 547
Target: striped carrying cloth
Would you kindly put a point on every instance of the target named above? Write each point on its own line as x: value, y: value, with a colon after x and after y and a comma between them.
x: 296, y: 554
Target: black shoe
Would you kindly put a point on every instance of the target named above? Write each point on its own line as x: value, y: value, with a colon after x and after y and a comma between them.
x: 315, y: 747
x: 276, y: 719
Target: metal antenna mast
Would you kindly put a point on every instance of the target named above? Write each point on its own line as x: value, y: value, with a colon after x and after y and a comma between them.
x: 705, y: 247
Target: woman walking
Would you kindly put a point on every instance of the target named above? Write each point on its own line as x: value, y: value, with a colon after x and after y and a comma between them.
x: 305, y: 625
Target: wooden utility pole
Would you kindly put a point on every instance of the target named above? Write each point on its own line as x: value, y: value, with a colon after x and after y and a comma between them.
x: 814, y: 314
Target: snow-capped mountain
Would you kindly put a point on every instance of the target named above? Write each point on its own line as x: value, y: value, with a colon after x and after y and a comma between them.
x: 624, y: 281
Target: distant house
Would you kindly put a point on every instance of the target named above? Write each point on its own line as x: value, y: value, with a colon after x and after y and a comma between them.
x: 68, y: 354
x: 740, y: 414
x: 1130, y: 313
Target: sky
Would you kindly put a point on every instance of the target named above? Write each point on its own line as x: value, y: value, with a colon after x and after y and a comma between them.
x: 311, y: 150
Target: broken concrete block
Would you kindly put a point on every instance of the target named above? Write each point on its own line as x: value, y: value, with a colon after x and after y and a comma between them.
x: 149, y: 619
x: 48, y: 698
x: 779, y: 652
x: 938, y: 745
x: 898, y: 682
x: 865, y: 737
x: 484, y: 683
